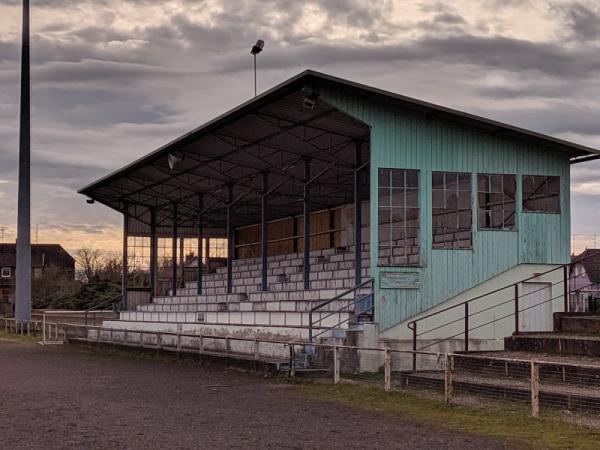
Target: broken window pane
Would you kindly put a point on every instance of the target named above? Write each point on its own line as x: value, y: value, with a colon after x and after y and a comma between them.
x: 541, y: 194
x: 496, y: 201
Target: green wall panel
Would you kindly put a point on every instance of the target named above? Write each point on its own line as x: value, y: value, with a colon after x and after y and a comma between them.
x: 408, y: 140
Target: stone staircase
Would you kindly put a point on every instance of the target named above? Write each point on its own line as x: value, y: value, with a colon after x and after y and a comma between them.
x: 281, y: 311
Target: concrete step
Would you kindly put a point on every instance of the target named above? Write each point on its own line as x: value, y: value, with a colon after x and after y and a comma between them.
x: 554, y: 343
x: 303, y: 306
x: 583, y: 323
x: 573, y: 369
x: 306, y: 295
x: 246, y: 318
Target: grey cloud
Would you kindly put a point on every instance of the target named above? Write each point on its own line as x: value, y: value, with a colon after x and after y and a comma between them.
x: 584, y: 21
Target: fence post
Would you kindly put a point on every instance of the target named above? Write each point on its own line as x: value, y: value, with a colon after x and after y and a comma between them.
x: 387, y: 370
x: 44, y: 327
x: 448, y: 386
x: 178, y: 343
x: 336, y: 364
x: 466, y: 326
x: 535, y: 389
x: 158, y: 340
x: 227, y: 348
x: 201, y: 343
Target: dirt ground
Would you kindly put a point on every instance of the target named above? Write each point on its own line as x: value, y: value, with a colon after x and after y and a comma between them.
x: 69, y: 397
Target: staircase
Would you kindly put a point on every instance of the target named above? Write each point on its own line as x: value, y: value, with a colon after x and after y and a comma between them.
x: 568, y: 359
x: 282, y: 312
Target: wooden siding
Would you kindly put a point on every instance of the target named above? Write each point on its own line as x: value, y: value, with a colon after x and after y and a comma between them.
x: 401, y: 139
x: 281, y: 230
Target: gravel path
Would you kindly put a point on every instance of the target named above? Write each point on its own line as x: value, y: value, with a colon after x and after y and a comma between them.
x: 68, y: 397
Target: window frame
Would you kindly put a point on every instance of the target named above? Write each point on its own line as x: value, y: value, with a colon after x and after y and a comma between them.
x: 478, y: 192
x: 558, y: 194
x: 458, y: 209
x: 3, y: 272
x: 404, y: 209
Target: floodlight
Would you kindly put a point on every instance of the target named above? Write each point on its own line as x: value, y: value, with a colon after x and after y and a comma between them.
x: 173, y: 160
x: 258, y: 47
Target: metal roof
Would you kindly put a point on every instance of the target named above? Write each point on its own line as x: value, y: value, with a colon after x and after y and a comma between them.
x: 273, y: 133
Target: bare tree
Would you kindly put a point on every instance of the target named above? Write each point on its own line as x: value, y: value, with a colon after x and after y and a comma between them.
x: 89, y: 262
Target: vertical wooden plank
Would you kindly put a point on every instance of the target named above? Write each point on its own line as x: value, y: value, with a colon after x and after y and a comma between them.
x: 387, y: 369
x: 535, y: 389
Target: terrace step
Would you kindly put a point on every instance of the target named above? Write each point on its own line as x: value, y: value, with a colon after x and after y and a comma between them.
x: 554, y: 343
x: 250, y: 318
x: 552, y: 394
x: 584, y: 323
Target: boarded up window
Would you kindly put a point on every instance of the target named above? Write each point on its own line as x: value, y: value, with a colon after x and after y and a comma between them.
x: 451, y: 210
x: 541, y: 194
x: 398, y: 217
x: 496, y: 199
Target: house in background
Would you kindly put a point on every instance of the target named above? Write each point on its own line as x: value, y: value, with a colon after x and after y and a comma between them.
x: 42, y: 257
x: 585, y: 281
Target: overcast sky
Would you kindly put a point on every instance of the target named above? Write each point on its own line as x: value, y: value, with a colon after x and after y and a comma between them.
x: 113, y: 80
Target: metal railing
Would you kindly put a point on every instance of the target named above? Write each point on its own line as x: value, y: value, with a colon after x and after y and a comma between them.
x: 351, y: 302
x: 112, y: 301
x: 413, y: 324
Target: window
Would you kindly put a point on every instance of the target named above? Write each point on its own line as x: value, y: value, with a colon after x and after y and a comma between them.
x: 398, y: 217
x: 541, y: 194
x: 451, y: 210
x: 496, y: 197
x: 5, y: 273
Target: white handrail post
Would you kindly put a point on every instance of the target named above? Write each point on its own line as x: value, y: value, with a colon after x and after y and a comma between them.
x: 44, y: 327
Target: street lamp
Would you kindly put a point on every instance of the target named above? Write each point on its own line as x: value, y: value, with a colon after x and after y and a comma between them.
x: 256, y: 49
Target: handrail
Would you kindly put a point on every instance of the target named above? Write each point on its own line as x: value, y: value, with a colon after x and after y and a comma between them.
x: 412, y: 325
x: 327, y: 302
x: 104, y: 303
x: 561, y: 266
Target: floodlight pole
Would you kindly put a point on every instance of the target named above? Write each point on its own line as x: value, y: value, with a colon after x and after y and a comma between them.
x: 255, y: 90
x: 23, y: 270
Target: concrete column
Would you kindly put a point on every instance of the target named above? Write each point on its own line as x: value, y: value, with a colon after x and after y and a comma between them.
x: 23, y: 269
x: 306, y: 207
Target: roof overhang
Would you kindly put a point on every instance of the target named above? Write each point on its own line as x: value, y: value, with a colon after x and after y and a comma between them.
x: 273, y: 133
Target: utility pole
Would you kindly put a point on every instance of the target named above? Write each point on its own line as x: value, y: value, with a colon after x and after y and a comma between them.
x: 2, y: 230
x: 23, y: 272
